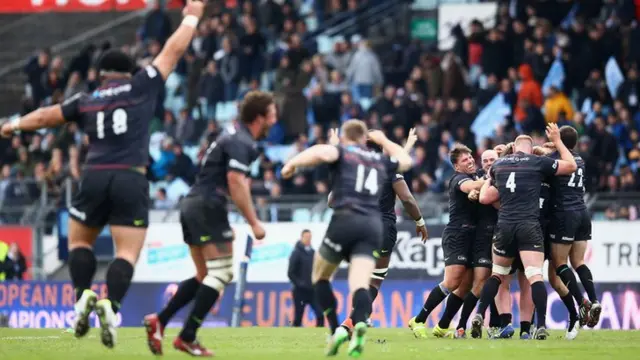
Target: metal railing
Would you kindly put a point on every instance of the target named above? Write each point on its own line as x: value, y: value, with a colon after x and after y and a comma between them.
x: 27, y: 202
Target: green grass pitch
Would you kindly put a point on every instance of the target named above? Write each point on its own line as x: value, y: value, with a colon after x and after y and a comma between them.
x: 291, y: 343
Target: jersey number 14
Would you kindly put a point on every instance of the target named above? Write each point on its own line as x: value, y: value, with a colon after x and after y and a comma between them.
x: 371, y: 182
x: 119, y: 119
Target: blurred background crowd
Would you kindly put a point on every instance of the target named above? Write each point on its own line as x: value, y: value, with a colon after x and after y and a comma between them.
x: 533, y: 62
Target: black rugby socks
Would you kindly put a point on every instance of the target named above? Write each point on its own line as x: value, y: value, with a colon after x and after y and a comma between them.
x: 119, y: 277
x: 494, y: 319
x: 82, y: 269
x: 587, y: 282
x: 569, y: 280
x: 454, y: 302
x: 470, y: 302
x: 571, y: 307
x: 488, y: 294
x: 186, y: 292
x: 373, y: 293
x: 436, y: 296
x: 505, y: 319
x: 206, y: 297
x: 539, y: 295
x: 361, y: 306
x: 327, y: 301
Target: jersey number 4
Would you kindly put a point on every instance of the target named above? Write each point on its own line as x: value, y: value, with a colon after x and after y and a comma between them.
x: 119, y: 117
x: 511, y: 182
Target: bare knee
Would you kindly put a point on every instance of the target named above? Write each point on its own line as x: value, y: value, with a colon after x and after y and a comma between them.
x: 128, y: 241
x: 576, y: 261
x: 453, y: 277
x: 82, y: 236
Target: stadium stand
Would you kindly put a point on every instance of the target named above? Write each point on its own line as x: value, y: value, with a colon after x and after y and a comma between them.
x: 328, y: 61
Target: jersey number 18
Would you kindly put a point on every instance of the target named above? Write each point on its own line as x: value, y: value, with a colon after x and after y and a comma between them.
x: 119, y: 119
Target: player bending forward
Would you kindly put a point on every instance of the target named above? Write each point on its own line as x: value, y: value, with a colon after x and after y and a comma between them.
x: 114, y: 188
x: 355, y: 230
x: 205, y: 225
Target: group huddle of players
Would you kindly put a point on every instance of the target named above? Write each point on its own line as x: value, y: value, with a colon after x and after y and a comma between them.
x: 527, y: 204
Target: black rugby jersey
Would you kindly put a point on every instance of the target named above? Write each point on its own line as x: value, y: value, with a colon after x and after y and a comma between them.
x: 568, y: 190
x: 358, y: 177
x: 116, y: 118
x: 233, y: 150
x: 518, y: 178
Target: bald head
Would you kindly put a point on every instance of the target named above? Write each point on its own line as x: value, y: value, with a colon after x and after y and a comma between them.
x: 524, y: 143
x: 488, y: 158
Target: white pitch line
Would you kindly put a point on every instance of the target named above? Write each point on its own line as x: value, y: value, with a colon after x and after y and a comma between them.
x: 28, y: 337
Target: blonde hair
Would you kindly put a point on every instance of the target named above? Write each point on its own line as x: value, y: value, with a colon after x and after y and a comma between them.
x: 354, y: 130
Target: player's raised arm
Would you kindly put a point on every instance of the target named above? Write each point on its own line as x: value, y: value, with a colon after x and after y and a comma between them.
x: 178, y: 43
x: 311, y: 157
x: 394, y: 150
x: 567, y: 165
x: 46, y: 117
x: 410, y: 205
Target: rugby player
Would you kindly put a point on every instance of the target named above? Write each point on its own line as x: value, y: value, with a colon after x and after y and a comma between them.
x: 355, y: 230
x: 470, y: 288
x: 394, y: 187
x: 517, y: 180
x: 570, y: 231
x: 114, y: 189
x: 505, y: 328
x: 457, y: 238
x: 224, y: 170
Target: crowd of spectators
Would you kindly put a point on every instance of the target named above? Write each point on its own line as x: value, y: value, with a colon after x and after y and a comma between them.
x: 408, y: 84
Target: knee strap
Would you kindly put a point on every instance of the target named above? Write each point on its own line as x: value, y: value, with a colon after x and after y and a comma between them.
x: 219, y: 273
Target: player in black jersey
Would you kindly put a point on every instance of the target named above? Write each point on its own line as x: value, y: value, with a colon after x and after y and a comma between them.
x: 504, y: 329
x: 458, y: 235
x: 466, y: 295
x: 205, y: 225
x: 113, y: 189
x: 395, y: 186
x: 570, y: 231
x: 355, y: 230
x: 516, y: 183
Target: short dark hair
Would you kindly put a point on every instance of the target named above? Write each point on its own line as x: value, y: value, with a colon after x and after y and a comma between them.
x: 305, y: 231
x: 569, y: 136
x: 116, y: 61
x: 457, y: 151
x: 255, y: 103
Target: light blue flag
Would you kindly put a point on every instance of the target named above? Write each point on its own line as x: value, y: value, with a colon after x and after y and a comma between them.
x: 492, y: 115
x: 586, y: 109
x: 613, y: 75
x: 571, y: 16
x: 555, y: 77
